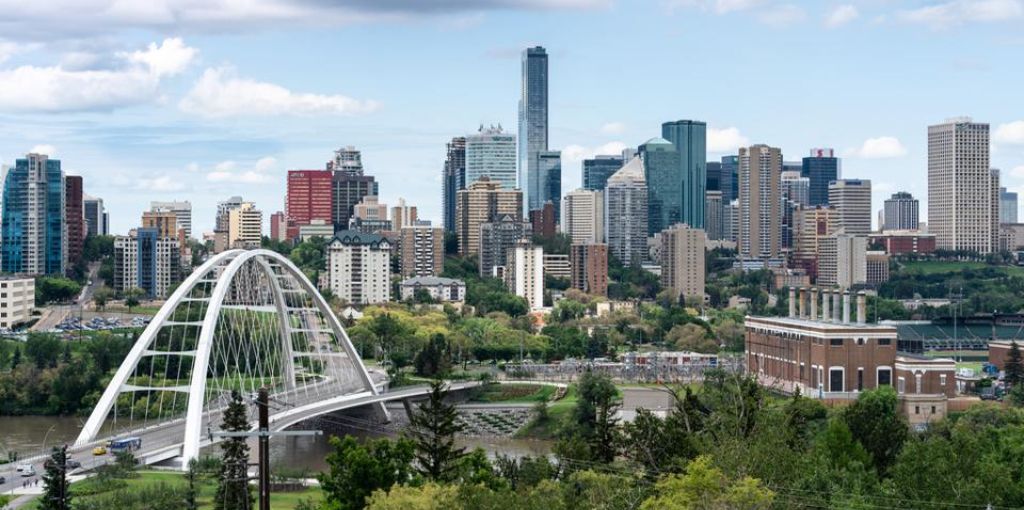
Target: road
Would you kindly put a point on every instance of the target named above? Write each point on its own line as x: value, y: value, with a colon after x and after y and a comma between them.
x: 53, y: 315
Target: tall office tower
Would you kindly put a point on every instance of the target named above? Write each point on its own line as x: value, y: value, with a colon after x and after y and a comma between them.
x: 420, y: 249
x: 729, y: 180
x: 544, y: 220
x: 690, y: 139
x: 842, y: 261
x: 682, y: 261
x: 524, y: 273
x: 588, y: 263
x: 714, y: 215
x: 182, y: 211
x: 549, y: 175
x: 403, y: 215
x: 533, y: 127
x: 165, y: 223
x: 454, y: 178
x: 370, y: 208
x: 348, y: 188
x: 1007, y: 206
x: 821, y: 167
x: 760, y: 202
x: 901, y: 212
x: 625, y: 214
x: 596, y: 171
x: 813, y: 224
x: 714, y: 180
x: 95, y: 216
x: 245, y: 226
x: 359, y: 267
x: 278, y: 226
x: 74, y: 218
x: 795, y: 190
x: 481, y: 202
x: 491, y: 153
x: 960, y: 187
x: 664, y: 185
x: 34, y: 235
x: 583, y: 216
x: 496, y: 238
x: 224, y: 212
x: 147, y: 260
x: 852, y: 200
x: 308, y: 199
x: 347, y: 160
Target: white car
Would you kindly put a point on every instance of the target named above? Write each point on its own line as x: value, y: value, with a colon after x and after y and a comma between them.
x: 26, y: 470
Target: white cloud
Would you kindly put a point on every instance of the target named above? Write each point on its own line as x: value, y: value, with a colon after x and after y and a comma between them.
x: 956, y: 12
x: 162, y: 183
x: 613, y: 128
x: 220, y: 93
x: 228, y: 171
x: 782, y: 15
x: 47, y: 149
x: 716, y: 6
x: 574, y: 154
x: 1017, y: 172
x: 883, y: 147
x: 1011, y: 133
x: 8, y: 49
x: 726, y: 140
x: 168, y: 59
x: 841, y: 15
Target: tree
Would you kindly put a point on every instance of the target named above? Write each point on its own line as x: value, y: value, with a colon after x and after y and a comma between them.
x: 691, y: 337
x: 16, y: 358
x: 592, y: 431
x: 233, y: 482
x: 428, y: 497
x: 433, y: 427
x: 56, y: 488
x: 387, y: 330
x: 131, y: 297
x: 44, y: 349
x: 55, y: 288
x: 705, y: 487
x: 354, y: 471
x: 102, y: 296
x: 435, y: 359
x: 192, y: 488
x: 1014, y: 369
x: 875, y: 422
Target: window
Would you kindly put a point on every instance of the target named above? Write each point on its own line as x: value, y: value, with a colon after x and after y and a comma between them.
x: 884, y: 341
x: 917, y: 383
x: 942, y: 379
x: 917, y: 409
x: 860, y: 379
x: 901, y: 385
x: 884, y: 376
x: 860, y: 341
x: 835, y: 379
x: 933, y: 409
x: 836, y: 342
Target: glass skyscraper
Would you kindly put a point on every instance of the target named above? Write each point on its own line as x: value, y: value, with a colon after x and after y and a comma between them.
x: 664, y: 187
x: 822, y: 167
x: 492, y: 153
x: 34, y: 236
x: 454, y: 179
x: 690, y: 140
x: 533, y: 126
x: 549, y: 172
x: 728, y: 180
x: 597, y: 171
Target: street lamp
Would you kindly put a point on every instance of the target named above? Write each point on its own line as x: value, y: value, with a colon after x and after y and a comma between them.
x: 42, y: 446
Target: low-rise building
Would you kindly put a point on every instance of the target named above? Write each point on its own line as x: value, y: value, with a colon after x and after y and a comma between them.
x: 316, y: 228
x: 902, y: 242
x: 17, y: 300
x: 444, y: 290
x: 359, y: 266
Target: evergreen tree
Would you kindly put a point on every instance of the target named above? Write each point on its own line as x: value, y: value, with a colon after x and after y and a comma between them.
x: 432, y: 428
x: 16, y: 358
x: 1014, y: 369
x: 56, y: 489
x: 434, y: 360
x: 191, y: 490
x: 233, y: 483
x: 66, y: 356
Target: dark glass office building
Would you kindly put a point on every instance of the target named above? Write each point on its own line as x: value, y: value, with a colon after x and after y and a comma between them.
x: 533, y: 126
x: 664, y: 187
x: 714, y: 182
x: 690, y: 140
x: 454, y: 178
x: 822, y: 167
x: 729, y: 180
x: 597, y: 171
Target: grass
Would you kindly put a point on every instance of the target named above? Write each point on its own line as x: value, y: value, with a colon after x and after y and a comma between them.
x: 938, y: 267
x: 558, y: 412
x: 512, y: 393
x: 279, y: 500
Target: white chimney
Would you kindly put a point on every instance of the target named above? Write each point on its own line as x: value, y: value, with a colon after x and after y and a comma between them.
x: 846, y: 307
x: 826, y: 300
x: 792, y: 302
x: 862, y: 308
x: 814, y: 303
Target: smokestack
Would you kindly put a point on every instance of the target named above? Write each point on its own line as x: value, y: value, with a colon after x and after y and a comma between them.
x: 846, y: 307
x: 803, y: 297
x: 862, y: 307
x: 837, y: 307
x: 814, y: 304
x: 792, y: 302
x: 826, y: 300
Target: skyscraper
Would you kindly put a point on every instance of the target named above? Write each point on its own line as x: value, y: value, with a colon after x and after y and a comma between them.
x: 901, y: 212
x: 224, y: 212
x: 34, y: 235
x: 95, y: 216
x: 690, y: 139
x: 760, y: 202
x: 533, y: 126
x: 482, y: 202
x: 714, y: 215
x: 454, y: 178
x: 795, y: 191
x: 682, y: 261
x: 714, y: 180
x: 729, y: 179
x: 420, y: 249
x: 664, y: 184
x: 403, y: 215
x: 491, y: 153
x: 182, y: 211
x: 583, y: 216
x: 245, y: 226
x: 821, y: 167
x: 524, y: 273
x: 309, y: 198
x: 497, y: 238
x: 852, y: 200
x: 625, y: 217
x: 347, y: 160
x: 549, y: 175
x: 348, y: 187
x: 1007, y: 206
x: 596, y: 171
x: 74, y: 218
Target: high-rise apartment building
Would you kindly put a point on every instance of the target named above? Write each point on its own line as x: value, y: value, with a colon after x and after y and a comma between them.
x: 690, y: 140
x: 795, y: 195
x: 403, y: 215
x: 309, y: 198
x: 496, y: 238
x: 583, y: 216
x: 820, y: 168
x: 842, y: 261
x: 963, y: 190
x: 146, y: 260
x: 664, y: 184
x: 714, y: 215
x: 491, y: 153
x: 96, y: 219
x: 34, y: 233
x: 524, y: 273
x: 359, y: 267
x: 481, y: 202
x: 165, y: 223
x: 348, y: 186
x: 596, y: 171
x: 245, y: 226
x: 760, y: 202
x: 224, y: 213
x: 421, y: 250
x: 544, y: 220
x: 901, y: 212
x: 454, y: 178
x: 682, y: 261
x: 278, y: 226
x: 812, y: 225
x: 533, y: 128
x: 549, y: 177
x: 588, y: 263
x: 852, y: 200
x: 625, y: 214
x: 1007, y: 206
x: 74, y: 218
x: 182, y: 211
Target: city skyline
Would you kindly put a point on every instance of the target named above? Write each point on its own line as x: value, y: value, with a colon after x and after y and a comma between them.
x: 186, y: 114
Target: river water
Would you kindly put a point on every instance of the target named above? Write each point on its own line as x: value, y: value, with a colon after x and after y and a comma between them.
x: 25, y: 435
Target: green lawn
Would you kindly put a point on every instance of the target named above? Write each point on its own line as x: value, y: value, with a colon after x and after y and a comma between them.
x: 558, y: 411
x: 937, y: 267
x: 512, y: 393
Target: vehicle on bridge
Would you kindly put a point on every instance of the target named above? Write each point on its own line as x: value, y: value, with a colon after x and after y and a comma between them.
x: 125, y: 444
x: 26, y: 470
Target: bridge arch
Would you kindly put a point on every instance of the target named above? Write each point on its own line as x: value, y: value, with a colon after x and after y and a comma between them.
x: 243, y: 319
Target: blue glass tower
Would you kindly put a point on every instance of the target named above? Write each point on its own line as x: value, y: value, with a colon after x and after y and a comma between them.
x: 533, y: 126
x: 664, y: 187
x: 33, y: 230
x: 690, y: 139
x: 822, y: 167
x: 549, y: 171
x: 729, y: 179
x: 597, y: 171
x: 147, y: 259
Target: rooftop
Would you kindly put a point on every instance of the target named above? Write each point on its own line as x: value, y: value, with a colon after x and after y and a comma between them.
x: 795, y: 322
x: 431, y: 281
x: 631, y: 171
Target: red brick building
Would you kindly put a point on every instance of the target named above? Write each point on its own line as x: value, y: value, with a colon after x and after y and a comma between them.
x: 308, y: 198
x: 74, y: 218
x: 898, y: 243
x: 588, y: 264
x: 543, y: 221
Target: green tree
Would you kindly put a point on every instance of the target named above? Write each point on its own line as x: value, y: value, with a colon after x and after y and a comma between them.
x: 192, y: 487
x: 1014, y: 369
x: 55, y: 289
x: 434, y: 360
x: 15, y: 358
x: 433, y: 427
x: 56, y: 487
x: 427, y: 497
x: 102, y: 296
x: 131, y: 297
x: 875, y: 422
x: 691, y: 337
x: 354, y: 471
x: 233, y: 482
x: 704, y: 487
x: 591, y: 433
x: 44, y: 349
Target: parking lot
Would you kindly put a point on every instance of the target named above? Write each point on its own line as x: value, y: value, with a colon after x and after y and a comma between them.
x: 99, y: 323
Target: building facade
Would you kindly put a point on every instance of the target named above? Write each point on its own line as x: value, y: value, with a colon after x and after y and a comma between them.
x: 496, y: 239
x: 625, y: 214
x: 370, y: 208
x: 759, y: 233
x: 690, y: 140
x: 583, y: 216
x: 245, y: 226
x: 813, y: 225
x: 307, y: 199
x: 557, y: 265
x: 664, y: 184
x: 877, y: 265
x: 74, y: 218
x: 442, y: 290
x: 481, y: 202
x: 524, y: 273
x: 403, y: 214
x: 33, y: 232
x: 348, y: 187
x: 842, y: 261
x: 96, y: 219
x: 714, y: 215
x: 278, y: 226
x: 533, y: 128
x: 682, y: 261
x: 596, y: 171
x: 454, y: 178
x: 182, y: 212
x: 421, y: 250
x: 549, y: 178
x: 589, y: 266
x: 491, y: 153
x: 1007, y: 206
x: 852, y: 201
x: 17, y: 300
x: 359, y: 268
x: 899, y: 243
x: 901, y: 212
x: 146, y: 260
x: 820, y: 168
x: 963, y: 209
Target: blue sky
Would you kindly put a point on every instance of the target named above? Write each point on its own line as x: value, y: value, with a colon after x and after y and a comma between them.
x: 204, y: 99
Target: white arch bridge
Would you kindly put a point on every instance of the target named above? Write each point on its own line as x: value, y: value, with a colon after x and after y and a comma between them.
x: 243, y: 320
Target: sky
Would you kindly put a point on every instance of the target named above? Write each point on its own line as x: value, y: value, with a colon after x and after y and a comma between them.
x: 204, y: 99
